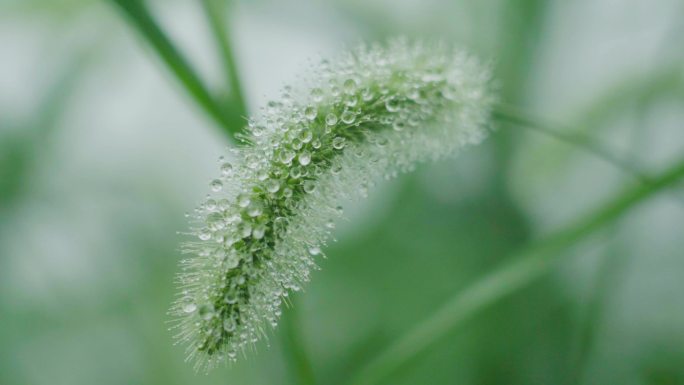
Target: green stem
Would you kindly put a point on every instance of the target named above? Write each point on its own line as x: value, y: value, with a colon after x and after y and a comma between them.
x: 140, y: 17
x: 511, y: 115
x: 529, y: 264
x: 293, y: 345
x: 237, y: 111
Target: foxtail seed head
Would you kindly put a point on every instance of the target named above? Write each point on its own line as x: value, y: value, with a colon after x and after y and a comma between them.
x: 371, y: 113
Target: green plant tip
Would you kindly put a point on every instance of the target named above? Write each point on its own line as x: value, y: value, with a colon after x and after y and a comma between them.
x: 370, y: 113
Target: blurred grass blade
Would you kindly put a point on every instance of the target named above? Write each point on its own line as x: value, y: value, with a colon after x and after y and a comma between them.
x: 236, y: 106
x: 294, y: 349
x: 21, y: 150
x: 665, y: 82
x: 510, y: 115
x: 527, y: 265
x: 140, y: 17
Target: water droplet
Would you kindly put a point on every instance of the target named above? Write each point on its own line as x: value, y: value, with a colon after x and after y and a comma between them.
x: 392, y: 105
x: 398, y: 125
x: 220, y: 255
x: 317, y: 94
x: 280, y: 223
x: 295, y: 172
x: 367, y: 95
x: 243, y: 200
x: 286, y: 156
x: 206, y: 312
x: 449, y: 93
x: 216, y: 185
x: 287, y: 192
x: 414, y: 94
x: 210, y: 205
x: 314, y: 250
x: 272, y: 106
x: 226, y: 169
x: 204, y: 235
x: 330, y: 224
x: 349, y: 86
x: 189, y: 307
x: 231, y: 297
x: 215, y: 221
x: 245, y: 229
x: 310, y: 112
x: 351, y: 102
x: 254, y: 210
x: 304, y: 158
x: 262, y: 175
x: 339, y: 210
x: 273, y: 185
x: 330, y: 119
x: 232, y: 262
x: 338, y: 143
x: 316, y: 144
x: 348, y: 117
x: 305, y: 136
x: 223, y: 204
x: 363, y: 190
x: 309, y: 186
x: 258, y: 231
x: 258, y: 131
x: 229, y: 325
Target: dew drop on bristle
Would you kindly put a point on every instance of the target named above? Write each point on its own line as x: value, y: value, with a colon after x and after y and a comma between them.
x: 310, y: 112
x: 331, y: 119
x: 348, y: 117
x: 304, y: 158
x: 216, y: 185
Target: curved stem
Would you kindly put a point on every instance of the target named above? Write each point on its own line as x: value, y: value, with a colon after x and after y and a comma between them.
x: 511, y: 115
x: 529, y: 264
x: 140, y: 17
x: 236, y: 108
x: 293, y: 344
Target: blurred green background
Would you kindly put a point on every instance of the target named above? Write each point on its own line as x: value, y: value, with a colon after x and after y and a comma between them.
x: 101, y: 153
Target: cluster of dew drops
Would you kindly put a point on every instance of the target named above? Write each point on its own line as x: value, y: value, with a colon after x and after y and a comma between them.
x: 288, y: 147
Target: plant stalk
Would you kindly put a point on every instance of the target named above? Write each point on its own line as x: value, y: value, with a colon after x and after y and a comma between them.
x: 142, y: 19
x: 526, y: 266
x: 236, y: 108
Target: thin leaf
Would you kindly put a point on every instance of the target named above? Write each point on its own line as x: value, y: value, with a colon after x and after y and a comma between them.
x: 526, y: 266
x: 236, y: 107
x: 140, y: 17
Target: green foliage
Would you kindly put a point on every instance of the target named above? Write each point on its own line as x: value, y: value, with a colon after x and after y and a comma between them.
x: 442, y: 280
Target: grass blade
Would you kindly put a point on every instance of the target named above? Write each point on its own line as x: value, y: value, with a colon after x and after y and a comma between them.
x: 293, y: 345
x: 140, y: 17
x: 510, y: 115
x: 529, y: 264
x: 236, y: 107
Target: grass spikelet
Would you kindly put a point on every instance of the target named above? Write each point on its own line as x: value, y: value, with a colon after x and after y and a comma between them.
x: 370, y: 113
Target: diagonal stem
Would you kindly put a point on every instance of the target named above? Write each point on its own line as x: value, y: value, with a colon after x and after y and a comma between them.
x: 140, y: 17
x: 293, y: 345
x: 236, y: 108
x: 527, y: 265
x: 511, y: 115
